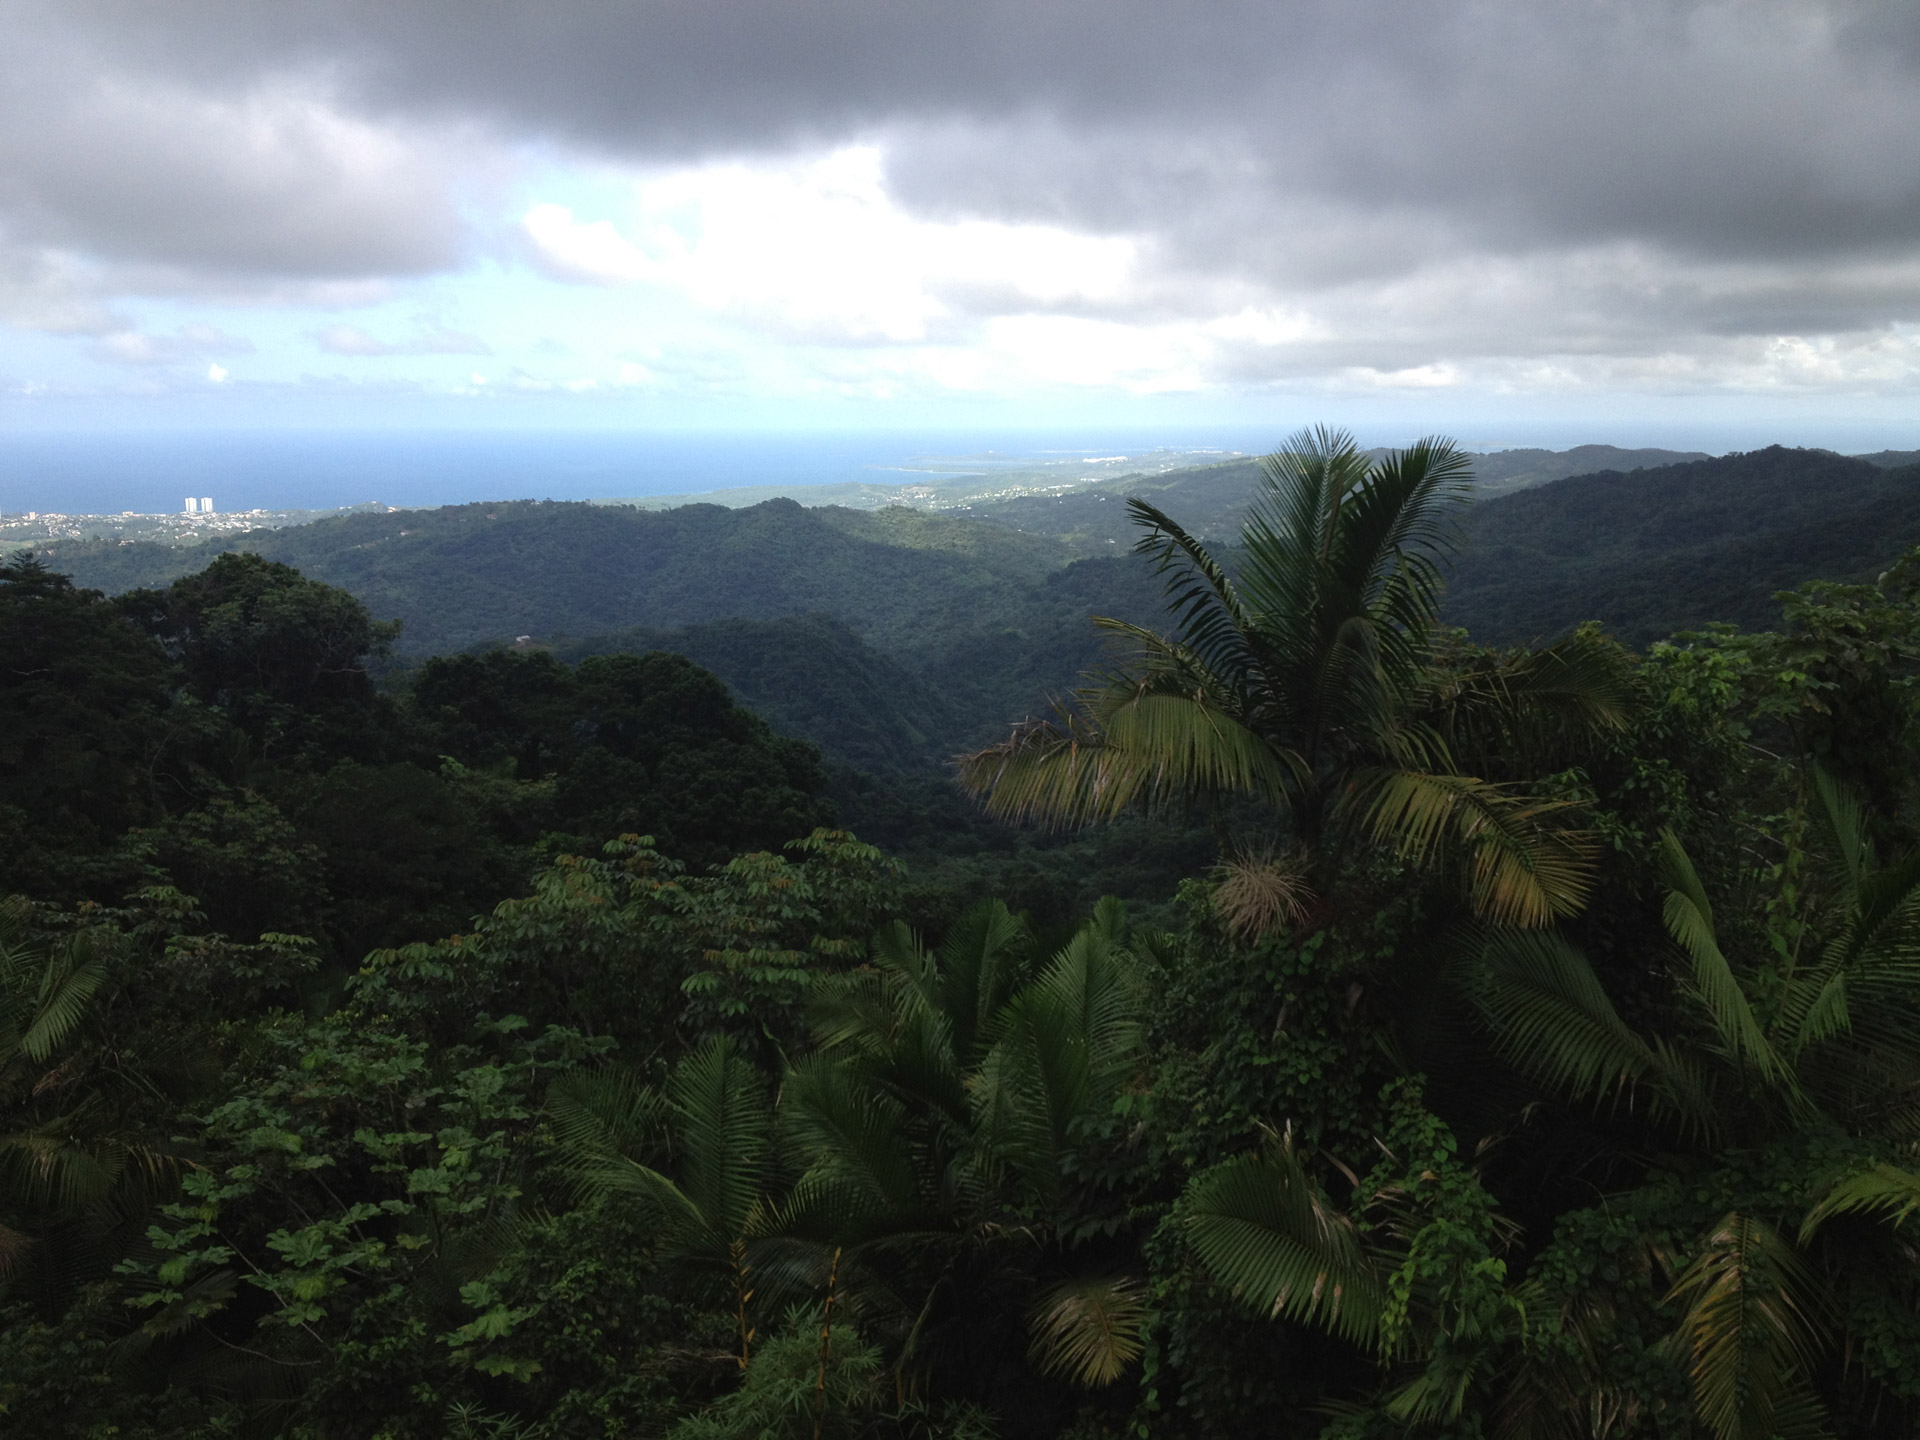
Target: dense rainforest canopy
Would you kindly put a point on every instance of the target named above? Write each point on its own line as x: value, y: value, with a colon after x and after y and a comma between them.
x: 518, y: 1043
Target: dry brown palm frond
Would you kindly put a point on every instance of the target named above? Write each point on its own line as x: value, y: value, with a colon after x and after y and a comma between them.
x: 1261, y: 891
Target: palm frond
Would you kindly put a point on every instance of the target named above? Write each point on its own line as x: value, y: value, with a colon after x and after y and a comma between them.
x: 1292, y: 530
x: 1886, y: 910
x: 1153, y: 664
x: 67, y: 986
x: 14, y: 1247
x: 723, y: 1129
x: 1146, y: 750
x: 1689, y: 918
x: 858, y: 1012
x: 604, y: 1122
x: 1881, y: 1189
x: 1844, y: 820
x: 1523, y: 870
x: 1066, y: 1045
x: 715, y: 1121
x: 1536, y: 710
x: 1095, y: 984
x: 44, y: 991
x: 982, y: 962
x: 1437, y: 1396
x: 1399, y: 525
x: 1214, y: 624
x: 1087, y: 1329
x: 1753, y: 1328
x: 1033, y: 1084
x: 895, y: 1023
x: 1554, y: 1021
x: 1585, y: 676
x: 1350, y: 687
x: 1273, y: 1237
x: 850, y: 1132
x: 56, y: 1164
x: 607, y: 1114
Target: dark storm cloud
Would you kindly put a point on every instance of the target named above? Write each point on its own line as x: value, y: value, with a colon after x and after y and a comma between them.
x: 1254, y: 147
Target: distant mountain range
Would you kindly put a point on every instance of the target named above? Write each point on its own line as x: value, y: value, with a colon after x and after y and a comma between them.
x: 1037, y: 497
x: 895, y: 637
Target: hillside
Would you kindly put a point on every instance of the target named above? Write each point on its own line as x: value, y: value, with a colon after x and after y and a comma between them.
x: 1501, y: 472
x: 1211, y: 500
x: 466, y: 574
x: 894, y: 638
x: 812, y: 677
x: 891, y: 638
x: 1661, y: 550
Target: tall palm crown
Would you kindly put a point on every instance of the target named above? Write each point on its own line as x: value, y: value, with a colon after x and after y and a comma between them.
x: 1301, y: 680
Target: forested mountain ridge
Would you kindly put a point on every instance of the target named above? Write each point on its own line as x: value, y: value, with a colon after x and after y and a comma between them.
x: 463, y: 574
x: 1026, y: 496
x: 910, y: 582
x: 1656, y: 551
x: 1211, y: 501
x: 952, y: 626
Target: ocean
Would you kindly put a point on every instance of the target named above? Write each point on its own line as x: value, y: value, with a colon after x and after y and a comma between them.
x: 151, y: 472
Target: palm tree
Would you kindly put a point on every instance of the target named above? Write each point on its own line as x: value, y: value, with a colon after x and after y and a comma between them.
x: 939, y: 1124
x: 715, y: 1123
x: 1302, y: 681
x: 1781, y: 1098
x: 69, y: 1165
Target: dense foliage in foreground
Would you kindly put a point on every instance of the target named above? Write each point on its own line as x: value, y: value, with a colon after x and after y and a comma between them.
x: 707, y: 1134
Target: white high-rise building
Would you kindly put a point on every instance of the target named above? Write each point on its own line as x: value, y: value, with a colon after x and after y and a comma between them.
x: 192, y: 505
x: 206, y: 504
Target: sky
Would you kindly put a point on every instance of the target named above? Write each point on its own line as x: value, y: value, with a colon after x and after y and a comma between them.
x: 1520, y: 221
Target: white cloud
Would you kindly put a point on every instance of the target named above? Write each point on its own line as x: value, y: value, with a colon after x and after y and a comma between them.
x: 594, y: 251
x: 429, y: 338
x: 188, y: 342
x: 1413, y: 377
x: 817, y: 247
